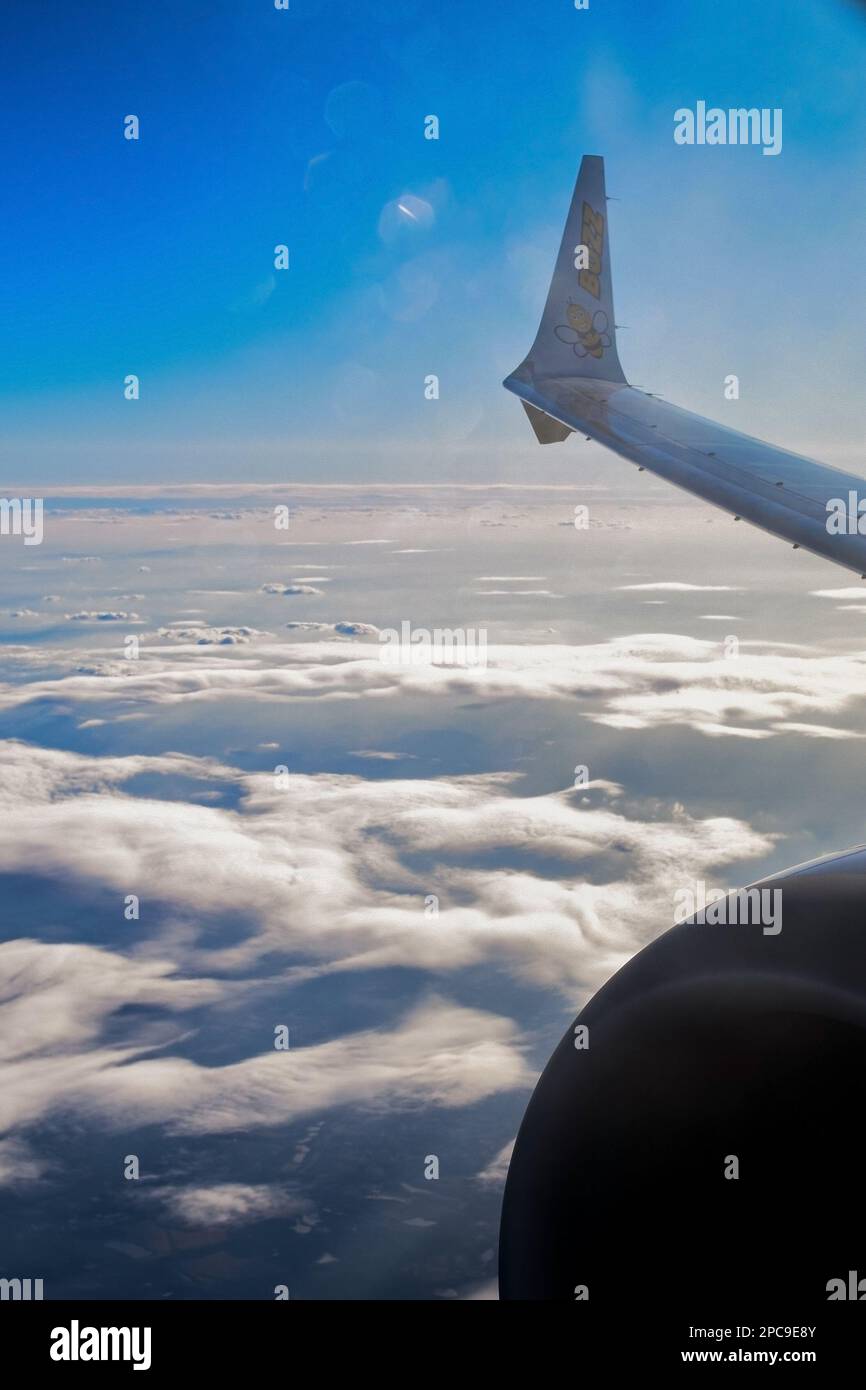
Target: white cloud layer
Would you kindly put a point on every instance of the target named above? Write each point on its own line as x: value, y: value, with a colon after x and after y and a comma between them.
x: 439, y: 1054
x: 328, y: 873
x: 334, y: 870
x: 645, y: 681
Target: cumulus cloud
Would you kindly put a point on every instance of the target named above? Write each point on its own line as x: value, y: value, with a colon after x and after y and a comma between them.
x: 18, y: 1164
x: 56, y: 999
x: 487, y: 1292
x: 287, y: 589
x: 102, y: 616
x: 855, y: 591
x: 675, y: 586
x: 496, y: 1171
x: 203, y: 635
x: 382, y: 756
x: 228, y: 1203
x: 343, y: 629
x: 816, y: 731
x: 348, y: 629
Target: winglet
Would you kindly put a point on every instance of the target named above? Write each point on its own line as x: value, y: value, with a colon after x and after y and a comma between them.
x: 576, y: 337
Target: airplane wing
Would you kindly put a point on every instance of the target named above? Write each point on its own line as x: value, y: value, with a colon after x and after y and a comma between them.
x: 572, y: 381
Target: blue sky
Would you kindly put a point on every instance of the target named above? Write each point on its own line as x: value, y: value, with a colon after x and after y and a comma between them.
x: 305, y: 127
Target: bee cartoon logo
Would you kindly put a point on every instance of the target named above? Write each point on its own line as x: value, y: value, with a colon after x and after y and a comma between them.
x: 587, y: 333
